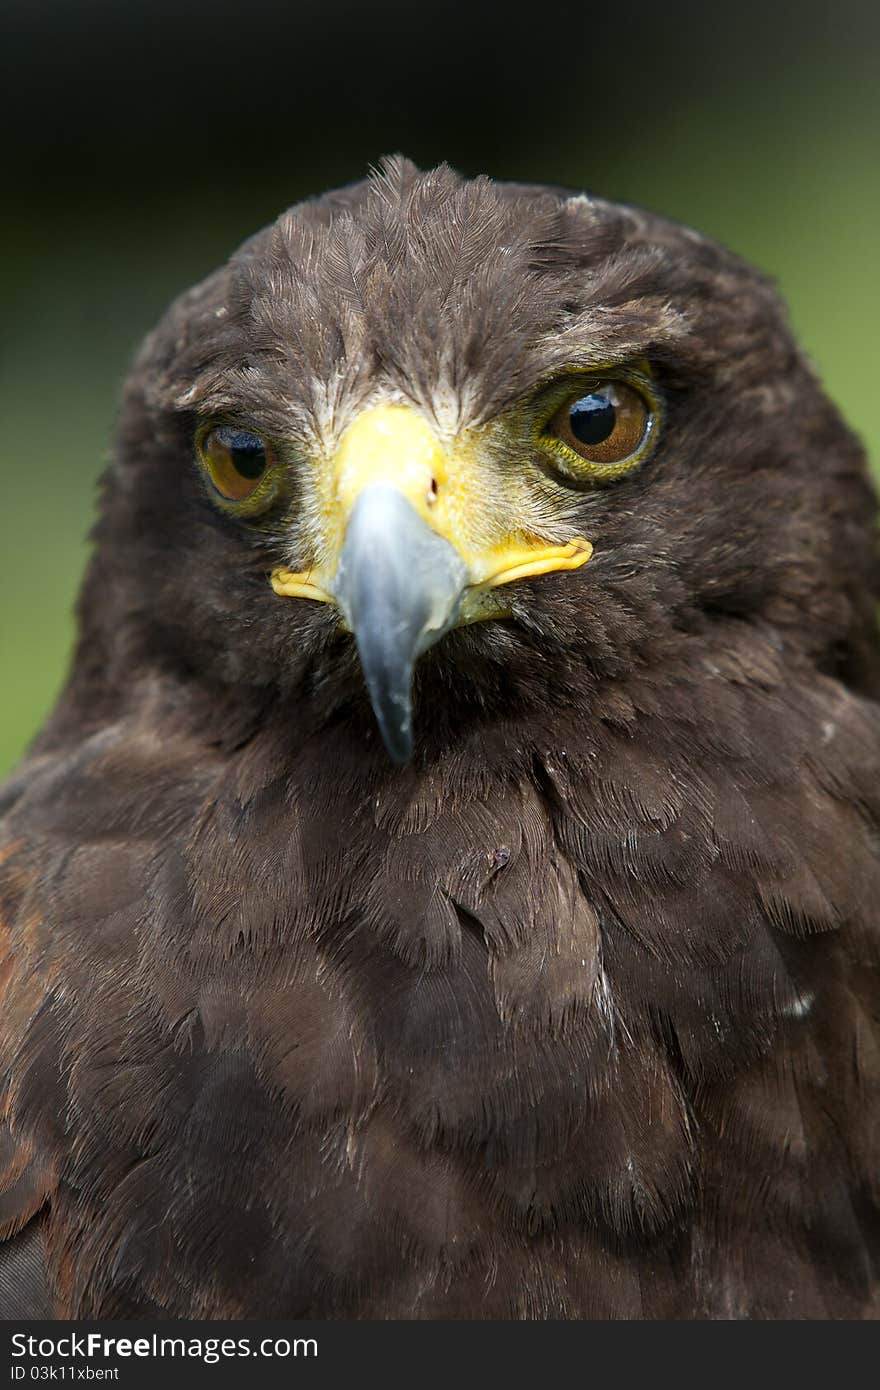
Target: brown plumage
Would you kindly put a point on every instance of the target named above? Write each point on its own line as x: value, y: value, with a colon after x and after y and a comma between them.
x: 576, y: 1013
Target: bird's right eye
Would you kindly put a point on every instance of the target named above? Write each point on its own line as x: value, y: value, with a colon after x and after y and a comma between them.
x: 235, y: 460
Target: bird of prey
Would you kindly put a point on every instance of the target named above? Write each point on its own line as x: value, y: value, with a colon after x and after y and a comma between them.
x: 449, y: 883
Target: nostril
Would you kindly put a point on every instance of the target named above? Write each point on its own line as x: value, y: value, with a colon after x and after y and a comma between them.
x: 432, y: 491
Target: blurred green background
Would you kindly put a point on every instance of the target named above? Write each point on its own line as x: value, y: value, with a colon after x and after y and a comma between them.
x: 148, y: 141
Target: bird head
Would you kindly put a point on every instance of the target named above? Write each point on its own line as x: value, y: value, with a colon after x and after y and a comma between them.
x: 497, y: 437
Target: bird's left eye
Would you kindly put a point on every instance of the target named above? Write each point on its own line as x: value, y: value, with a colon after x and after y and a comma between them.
x: 606, y: 426
x: 235, y: 460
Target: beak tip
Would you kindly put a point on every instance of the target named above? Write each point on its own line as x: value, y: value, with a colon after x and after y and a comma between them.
x: 395, y: 726
x: 400, y: 751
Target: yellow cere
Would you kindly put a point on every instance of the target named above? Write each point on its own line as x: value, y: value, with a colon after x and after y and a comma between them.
x: 394, y: 445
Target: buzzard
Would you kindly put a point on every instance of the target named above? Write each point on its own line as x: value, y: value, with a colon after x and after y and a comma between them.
x: 449, y: 883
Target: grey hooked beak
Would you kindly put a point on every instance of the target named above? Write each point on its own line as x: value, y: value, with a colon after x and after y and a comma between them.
x: 399, y: 586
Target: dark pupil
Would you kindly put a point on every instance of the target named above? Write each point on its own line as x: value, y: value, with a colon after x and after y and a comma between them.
x: 592, y: 419
x: 247, y: 451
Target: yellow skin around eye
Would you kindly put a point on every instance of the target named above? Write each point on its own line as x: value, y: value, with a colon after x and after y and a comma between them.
x: 575, y: 457
x: 230, y: 488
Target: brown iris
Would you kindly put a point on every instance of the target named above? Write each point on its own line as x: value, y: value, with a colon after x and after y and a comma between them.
x: 606, y: 425
x: 236, y: 461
